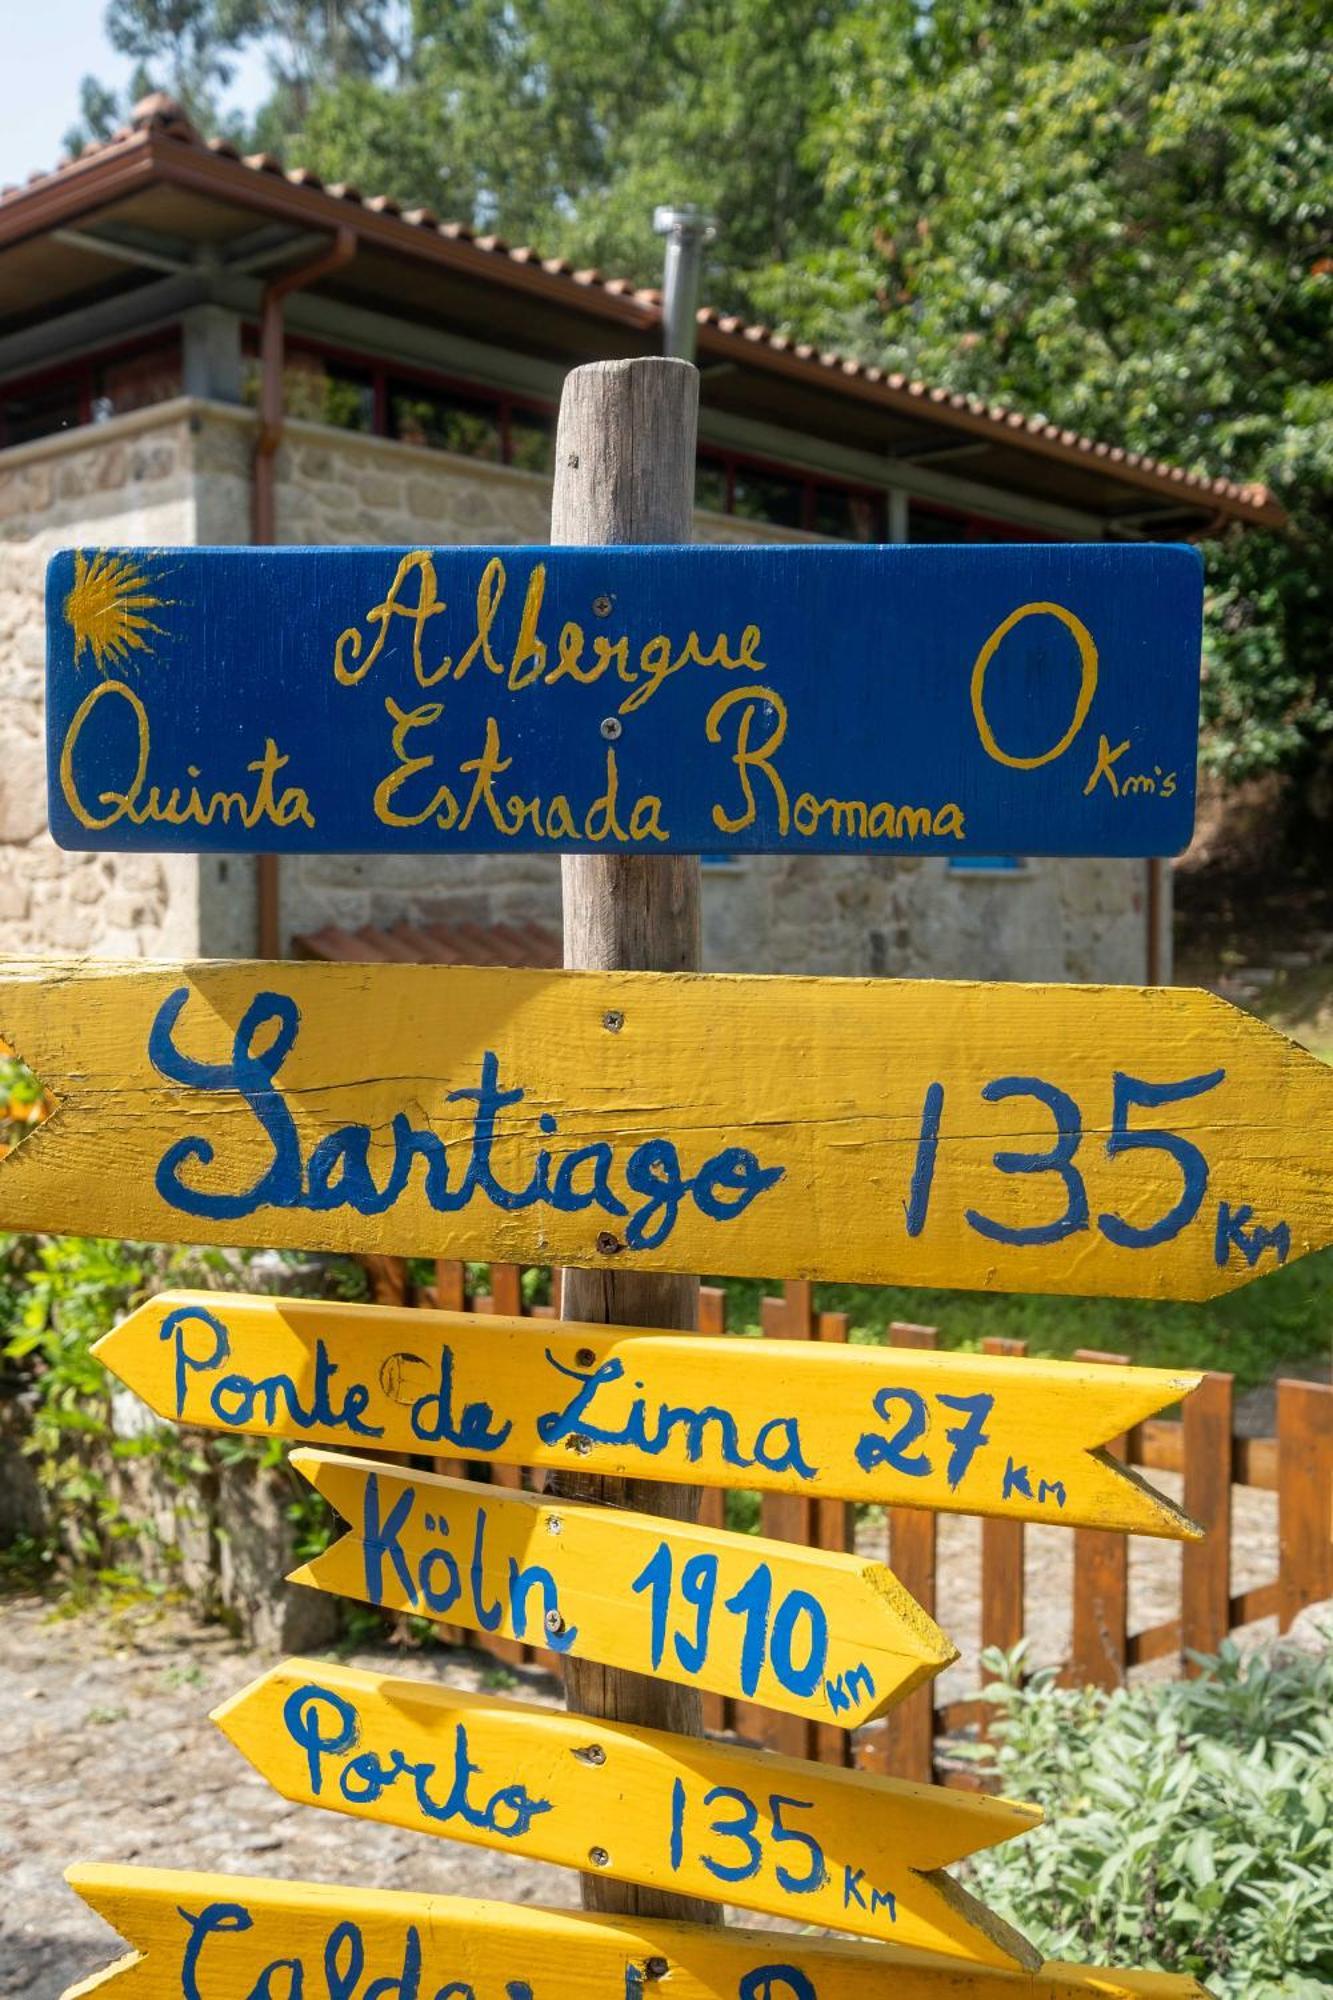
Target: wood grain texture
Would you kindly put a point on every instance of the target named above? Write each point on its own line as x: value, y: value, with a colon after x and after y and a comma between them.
x: 769, y: 1833
x: 871, y: 1131
x: 570, y: 1576
x: 1003, y: 1584
x: 1099, y: 1632
x: 486, y: 1949
x: 624, y: 456
x: 641, y: 700
x: 1304, y: 1497
x: 784, y: 1416
x: 1205, y: 1570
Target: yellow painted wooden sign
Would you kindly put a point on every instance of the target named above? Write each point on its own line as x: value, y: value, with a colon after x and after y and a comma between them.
x: 770, y: 1833
x: 823, y: 1635
x: 964, y: 1433
x: 216, y: 1937
x: 1117, y: 1141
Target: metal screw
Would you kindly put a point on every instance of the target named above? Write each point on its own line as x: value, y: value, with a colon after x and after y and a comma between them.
x: 578, y: 1443
x: 614, y: 1021
x: 612, y: 728
x: 585, y: 1357
x: 593, y: 1754
x: 554, y: 1623
x: 607, y: 1244
x: 598, y: 1856
x: 554, y: 1524
x: 655, y: 1968
x: 602, y: 606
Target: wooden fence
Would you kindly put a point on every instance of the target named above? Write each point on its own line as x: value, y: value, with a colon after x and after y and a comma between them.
x: 913, y: 1740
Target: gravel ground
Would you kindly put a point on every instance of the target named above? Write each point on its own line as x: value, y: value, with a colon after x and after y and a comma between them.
x: 108, y: 1755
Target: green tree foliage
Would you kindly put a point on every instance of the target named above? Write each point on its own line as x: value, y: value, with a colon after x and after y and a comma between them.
x: 1115, y: 214
x: 564, y: 124
x: 1111, y: 212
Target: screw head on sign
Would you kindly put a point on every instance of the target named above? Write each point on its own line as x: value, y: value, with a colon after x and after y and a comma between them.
x: 607, y: 1244
x: 612, y: 728
x: 598, y: 1856
x: 585, y: 1357
x: 593, y: 1753
x: 602, y: 606
x: 578, y: 1444
x: 656, y: 1968
x: 613, y: 1021
x: 554, y: 1524
x: 554, y: 1623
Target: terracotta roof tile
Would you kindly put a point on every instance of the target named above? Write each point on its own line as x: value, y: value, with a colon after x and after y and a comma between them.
x: 158, y: 117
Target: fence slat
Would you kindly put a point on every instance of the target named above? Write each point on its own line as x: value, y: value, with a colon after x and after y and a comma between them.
x: 1003, y: 1605
x: 1205, y: 1567
x: 450, y: 1284
x: 1100, y: 1646
x: 909, y: 1729
x: 1304, y: 1496
x: 712, y: 1309
x: 388, y: 1277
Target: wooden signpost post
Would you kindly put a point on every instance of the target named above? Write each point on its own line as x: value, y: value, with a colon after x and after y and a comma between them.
x: 960, y: 1433
x: 821, y: 1635
x: 631, y: 707
x: 1121, y: 1141
x: 228, y: 1935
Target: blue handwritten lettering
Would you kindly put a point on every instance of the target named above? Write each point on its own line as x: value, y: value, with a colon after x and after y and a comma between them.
x: 338, y: 1173
x: 575, y: 1419
x: 1231, y: 1231
x: 364, y: 1778
x: 236, y: 1398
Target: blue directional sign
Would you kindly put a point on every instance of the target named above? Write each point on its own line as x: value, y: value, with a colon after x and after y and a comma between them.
x: 807, y: 700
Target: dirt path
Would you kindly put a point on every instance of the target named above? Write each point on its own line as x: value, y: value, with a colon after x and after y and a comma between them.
x: 107, y: 1753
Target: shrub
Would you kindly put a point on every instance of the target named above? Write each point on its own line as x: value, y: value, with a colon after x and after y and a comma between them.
x: 1189, y: 1824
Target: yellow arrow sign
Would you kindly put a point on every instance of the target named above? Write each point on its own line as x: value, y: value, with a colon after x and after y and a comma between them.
x: 1110, y: 1140
x: 967, y: 1433
x: 826, y: 1636
x: 233, y: 1934
x: 770, y: 1833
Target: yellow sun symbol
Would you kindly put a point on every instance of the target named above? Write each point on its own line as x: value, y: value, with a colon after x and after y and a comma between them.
x: 106, y: 606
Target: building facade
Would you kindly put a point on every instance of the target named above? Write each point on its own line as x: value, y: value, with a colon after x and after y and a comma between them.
x: 197, y: 349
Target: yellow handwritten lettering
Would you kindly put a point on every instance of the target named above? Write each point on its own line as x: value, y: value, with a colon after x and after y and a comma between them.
x: 1087, y: 653
x: 750, y: 700
x: 118, y: 801
x: 645, y: 822
x: 180, y: 805
x: 444, y: 803
x: 1106, y: 758
x: 489, y: 593
x: 488, y: 766
x: 428, y: 605
x: 528, y: 646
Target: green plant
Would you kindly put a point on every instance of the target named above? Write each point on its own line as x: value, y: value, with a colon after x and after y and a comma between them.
x: 1189, y: 1824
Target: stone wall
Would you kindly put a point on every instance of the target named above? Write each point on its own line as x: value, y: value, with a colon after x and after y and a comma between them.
x: 128, y: 481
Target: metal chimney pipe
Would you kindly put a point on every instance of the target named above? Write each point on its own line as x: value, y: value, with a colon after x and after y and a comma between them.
x: 687, y: 229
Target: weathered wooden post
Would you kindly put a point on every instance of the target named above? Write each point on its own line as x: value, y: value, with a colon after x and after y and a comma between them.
x: 624, y: 461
